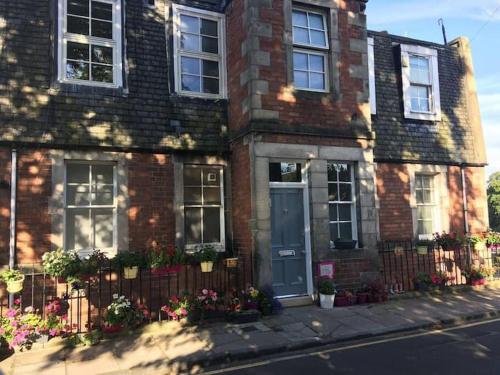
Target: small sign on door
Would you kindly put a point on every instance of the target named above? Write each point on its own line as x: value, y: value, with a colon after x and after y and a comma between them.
x: 326, y: 270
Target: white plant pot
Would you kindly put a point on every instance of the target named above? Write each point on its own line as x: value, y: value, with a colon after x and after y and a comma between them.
x: 207, y: 266
x: 326, y: 301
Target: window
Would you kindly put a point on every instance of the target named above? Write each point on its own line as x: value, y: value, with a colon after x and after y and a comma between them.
x: 203, y: 206
x: 426, y: 205
x: 285, y: 172
x: 149, y: 3
x: 371, y: 81
x: 310, y: 39
x: 90, y: 207
x: 90, y: 42
x: 420, y: 83
x: 199, y: 52
x: 342, y: 202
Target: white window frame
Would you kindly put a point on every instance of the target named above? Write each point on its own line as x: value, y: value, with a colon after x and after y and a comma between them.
x: 352, y: 203
x: 220, y: 246
x: 65, y: 37
x: 313, y: 50
x: 220, y: 58
x: 110, y: 251
x: 371, y: 77
x: 434, y: 205
x: 432, y: 55
x: 325, y: 65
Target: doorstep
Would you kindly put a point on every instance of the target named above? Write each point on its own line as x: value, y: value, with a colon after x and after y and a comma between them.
x: 296, y: 301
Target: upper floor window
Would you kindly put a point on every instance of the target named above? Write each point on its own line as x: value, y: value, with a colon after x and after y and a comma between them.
x: 420, y: 83
x: 199, y: 52
x: 310, y: 53
x: 89, y: 42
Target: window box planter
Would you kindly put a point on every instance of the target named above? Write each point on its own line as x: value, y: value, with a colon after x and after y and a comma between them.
x: 345, y: 245
x: 15, y: 286
x: 327, y: 301
x: 206, y: 266
x: 167, y: 270
x: 130, y: 273
x: 242, y: 317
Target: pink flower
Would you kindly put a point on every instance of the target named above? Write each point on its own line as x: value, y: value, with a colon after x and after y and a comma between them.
x: 17, y: 301
x: 204, y: 291
x: 11, y: 313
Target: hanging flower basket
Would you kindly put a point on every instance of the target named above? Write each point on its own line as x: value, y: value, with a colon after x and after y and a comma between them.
x: 15, y: 286
x: 231, y: 262
x: 207, y: 266
x: 130, y: 273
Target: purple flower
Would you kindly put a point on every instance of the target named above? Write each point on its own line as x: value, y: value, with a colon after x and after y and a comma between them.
x: 11, y: 313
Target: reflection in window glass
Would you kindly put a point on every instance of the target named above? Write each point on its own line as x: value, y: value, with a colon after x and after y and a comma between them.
x: 285, y: 172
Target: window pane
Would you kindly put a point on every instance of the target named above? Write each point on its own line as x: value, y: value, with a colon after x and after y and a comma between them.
x: 345, y: 192
x: 333, y: 208
x: 102, y: 54
x: 102, y: 11
x: 318, y: 38
x: 209, y: 27
x: 419, y: 196
x: 210, y: 85
x: 345, y: 231
x: 192, y: 195
x: 211, y: 225
x: 426, y: 181
x: 299, y: 61
x: 103, y: 195
x: 192, y: 176
x: 211, y: 195
x: 344, y: 212
x: 316, y: 63
x: 425, y: 227
x: 78, y: 25
x: 192, y: 225
x: 191, y: 83
x: 102, y: 174
x: 77, y: 70
x: 317, y: 81
x: 300, y: 35
x: 190, y: 65
x: 299, y: 18
x: 190, y: 24
x: 316, y: 21
x: 285, y: 172
x: 300, y: 79
x: 344, y: 172
x: 332, y: 172
x: 78, y: 7
x: 210, y: 68
x: 102, y: 29
x: 211, y: 177
x: 77, y: 195
x: 210, y: 45
x: 333, y: 192
x: 78, y: 229
x: 427, y: 196
x: 102, y: 73
x: 103, y: 228
x: 190, y: 42
x: 78, y: 173
x: 78, y: 51
x: 424, y: 212
x: 334, y: 232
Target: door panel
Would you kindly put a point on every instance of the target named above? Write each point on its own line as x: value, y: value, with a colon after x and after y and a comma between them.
x: 288, y: 242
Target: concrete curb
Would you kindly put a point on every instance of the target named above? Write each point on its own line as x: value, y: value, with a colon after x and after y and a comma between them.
x: 247, y: 354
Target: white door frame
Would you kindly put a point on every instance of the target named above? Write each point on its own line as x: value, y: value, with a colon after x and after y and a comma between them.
x: 307, y: 226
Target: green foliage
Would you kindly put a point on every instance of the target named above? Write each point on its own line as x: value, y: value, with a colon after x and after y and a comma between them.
x: 128, y: 259
x: 61, y: 263
x: 422, y: 278
x: 162, y: 258
x: 207, y: 253
x: 494, y: 200
x: 11, y: 275
x: 327, y: 286
x: 90, y: 264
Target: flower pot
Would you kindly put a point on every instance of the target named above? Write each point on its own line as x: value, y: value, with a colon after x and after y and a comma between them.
x: 327, y: 301
x: 167, y: 270
x: 130, y: 273
x: 15, y: 286
x: 207, y: 266
x: 362, y: 297
x: 231, y: 262
x: 242, y: 317
x: 422, y: 249
x: 341, y: 301
x: 478, y: 282
x: 110, y: 329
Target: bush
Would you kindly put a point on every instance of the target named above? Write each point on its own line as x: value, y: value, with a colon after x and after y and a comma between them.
x: 327, y: 286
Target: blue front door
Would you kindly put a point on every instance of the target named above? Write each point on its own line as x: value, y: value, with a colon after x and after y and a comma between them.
x: 288, y: 242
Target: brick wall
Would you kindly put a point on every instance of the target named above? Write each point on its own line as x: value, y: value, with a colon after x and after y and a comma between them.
x: 5, y: 158
x: 475, y: 180
x: 151, y: 192
x: 393, y: 189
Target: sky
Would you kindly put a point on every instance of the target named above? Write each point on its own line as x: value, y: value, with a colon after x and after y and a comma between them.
x: 477, y: 19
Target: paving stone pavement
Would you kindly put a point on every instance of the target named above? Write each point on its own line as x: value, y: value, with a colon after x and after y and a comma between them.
x: 172, y: 347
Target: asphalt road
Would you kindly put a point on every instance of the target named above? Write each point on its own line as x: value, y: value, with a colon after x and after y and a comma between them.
x: 472, y: 349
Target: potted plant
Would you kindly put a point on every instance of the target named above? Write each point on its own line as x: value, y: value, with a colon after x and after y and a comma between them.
x: 177, y: 308
x: 122, y: 314
x: 343, y: 244
x: 207, y: 255
x: 363, y: 295
x: 478, y: 243
x: 91, y: 264
x: 478, y: 275
x: 61, y: 264
x: 206, y: 306
x: 343, y: 298
x: 166, y: 262
x: 14, y: 280
x: 439, y: 279
x: 128, y: 262
x: 422, y: 281
x: 326, y: 289
x: 237, y: 314
x: 448, y: 241
x: 378, y: 291
x: 492, y: 240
